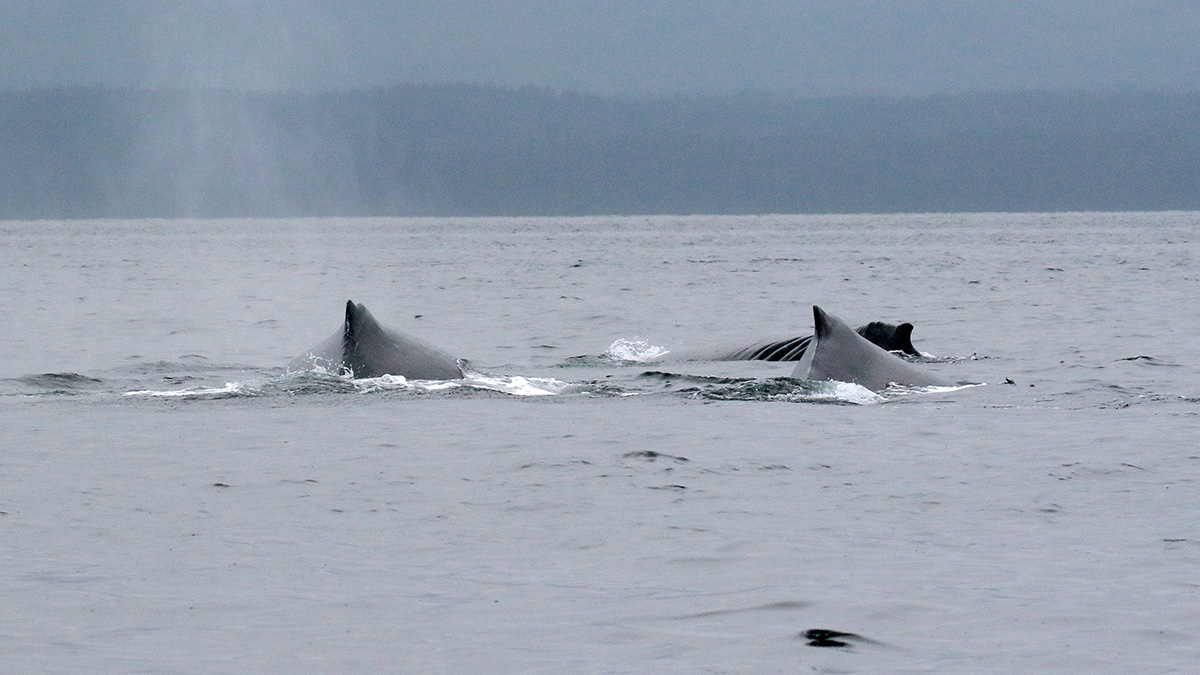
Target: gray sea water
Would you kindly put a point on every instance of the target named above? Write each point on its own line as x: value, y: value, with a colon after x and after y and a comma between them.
x: 173, y: 502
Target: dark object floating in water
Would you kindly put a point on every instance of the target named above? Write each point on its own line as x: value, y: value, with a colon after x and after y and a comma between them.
x: 363, y: 347
x: 651, y: 455
x: 1148, y: 360
x: 821, y: 637
x: 700, y: 379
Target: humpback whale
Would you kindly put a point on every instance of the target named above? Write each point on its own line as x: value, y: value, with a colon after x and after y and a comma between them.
x: 839, y: 353
x: 889, y: 336
x: 363, y: 347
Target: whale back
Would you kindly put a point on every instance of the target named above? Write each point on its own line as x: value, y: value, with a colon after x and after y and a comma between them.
x: 889, y: 336
x: 363, y: 347
x: 839, y: 353
x: 790, y: 349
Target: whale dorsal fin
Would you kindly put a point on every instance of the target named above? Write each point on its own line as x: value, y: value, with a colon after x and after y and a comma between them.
x: 839, y: 353
x: 363, y: 347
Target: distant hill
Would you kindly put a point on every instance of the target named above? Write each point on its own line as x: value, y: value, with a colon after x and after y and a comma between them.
x: 478, y: 150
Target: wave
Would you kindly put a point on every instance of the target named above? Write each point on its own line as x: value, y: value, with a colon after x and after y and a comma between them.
x: 49, y: 384
x: 786, y: 389
x: 59, y: 380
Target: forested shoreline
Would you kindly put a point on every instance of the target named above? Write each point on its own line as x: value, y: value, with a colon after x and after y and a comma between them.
x: 461, y: 149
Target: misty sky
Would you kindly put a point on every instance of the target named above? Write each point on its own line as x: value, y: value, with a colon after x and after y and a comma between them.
x: 798, y: 47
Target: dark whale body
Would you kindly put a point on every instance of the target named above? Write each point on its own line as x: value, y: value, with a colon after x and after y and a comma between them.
x: 365, y: 348
x: 890, y: 337
x: 839, y: 353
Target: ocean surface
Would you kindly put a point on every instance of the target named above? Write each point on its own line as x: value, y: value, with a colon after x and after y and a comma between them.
x: 590, y: 499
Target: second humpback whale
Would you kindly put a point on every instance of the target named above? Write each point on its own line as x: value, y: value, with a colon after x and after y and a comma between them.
x: 839, y: 353
x: 889, y: 336
x: 363, y: 347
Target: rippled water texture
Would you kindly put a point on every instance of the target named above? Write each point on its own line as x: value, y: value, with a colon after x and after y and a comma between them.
x: 595, y: 497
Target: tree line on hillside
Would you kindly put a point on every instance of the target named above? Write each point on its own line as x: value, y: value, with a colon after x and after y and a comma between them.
x: 478, y: 150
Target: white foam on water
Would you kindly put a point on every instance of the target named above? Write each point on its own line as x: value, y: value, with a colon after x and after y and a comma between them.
x: 898, y: 389
x: 833, y: 391
x: 637, y: 350
x: 230, y: 389
x: 850, y: 392
x: 516, y: 385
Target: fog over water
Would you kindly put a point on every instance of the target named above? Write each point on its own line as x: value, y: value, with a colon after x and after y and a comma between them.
x: 803, y: 48
x: 474, y: 150
x: 134, y: 108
